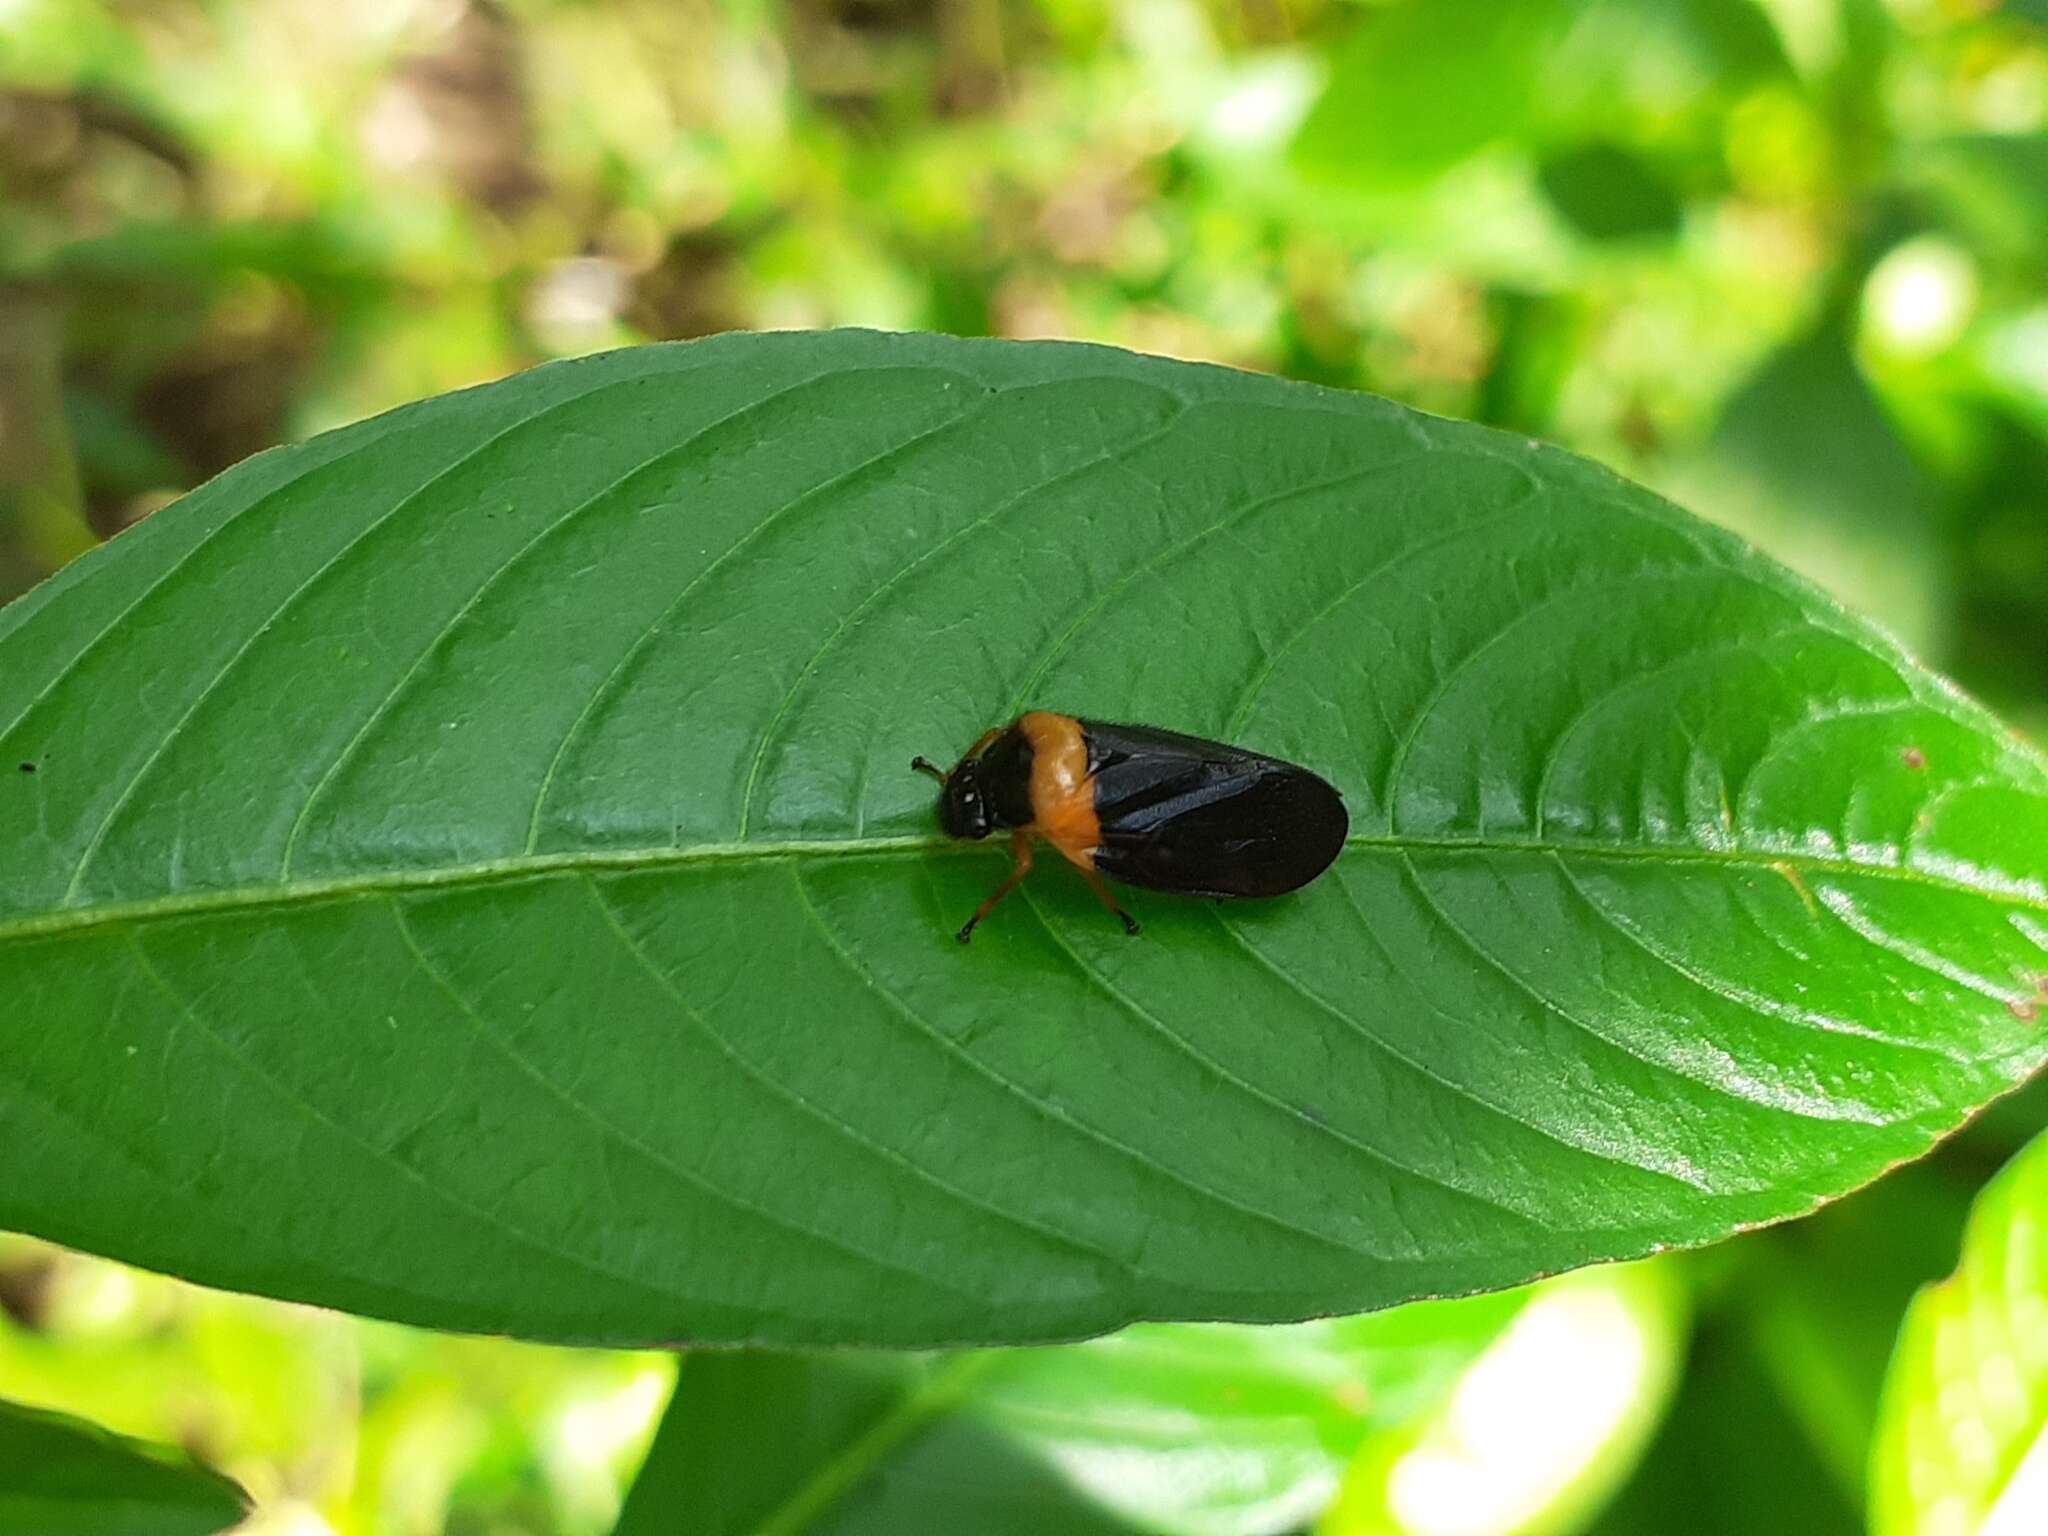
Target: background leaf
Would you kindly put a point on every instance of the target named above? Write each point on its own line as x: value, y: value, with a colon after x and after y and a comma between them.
x: 756, y: 1442
x: 1962, y: 1439
x: 468, y: 869
x: 1421, y: 86
x: 1817, y: 1303
x: 1805, y: 462
x: 60, y: 1476
x: 1181, y: 1429
x: 1541, y: 1428
x: 1994, y: 186
x: 1608, y: 193
x: 1727, y: 1415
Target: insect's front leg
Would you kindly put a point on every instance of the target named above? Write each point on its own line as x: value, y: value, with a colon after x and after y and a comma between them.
x: 1020, y: 866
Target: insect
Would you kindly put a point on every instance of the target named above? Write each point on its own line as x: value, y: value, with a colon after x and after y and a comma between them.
x: 1146, y: 807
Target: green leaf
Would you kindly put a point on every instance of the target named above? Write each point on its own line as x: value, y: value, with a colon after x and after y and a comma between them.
x: 1821, y: 1299
x: 1188, y: 1430
x: 1642, y: 71
x: 1962, y: 1435
x: 472, y: 874
x: 1608, y: 192
x: 1992, y: 186
x: 771, y: 1445
x: 61, y: 1476
x: 1805, y: 461
x: 1729, y: 1458
x: 1422, y: 84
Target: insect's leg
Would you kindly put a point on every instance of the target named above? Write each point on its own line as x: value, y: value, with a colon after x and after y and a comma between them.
x: 926, y: 765
x: 1102, y: 895
x: 1020, y: 866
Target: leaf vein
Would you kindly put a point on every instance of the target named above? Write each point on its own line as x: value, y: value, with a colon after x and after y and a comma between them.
x: 1223, y: 1074
x: 1433, y: 701
x: 631, y: 655
x: 1047, y: 1111
x: 487, y: 872
x: 554, y: 525
x: 1158, y: 562
x: 1379, y: 572
x: 621, y: 1137
x: 1101, y: 461
x: 1742, y: 997
x: 405, y: 1170
x: 314, y: 578
x: 844, y: 1127
x: 1373, y: 1037
x: 1557, y: 1010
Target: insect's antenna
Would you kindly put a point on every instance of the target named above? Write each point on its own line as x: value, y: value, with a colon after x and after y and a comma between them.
x: 926, y: 765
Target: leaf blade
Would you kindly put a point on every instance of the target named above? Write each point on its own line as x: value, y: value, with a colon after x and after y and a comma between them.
x: 539, y: 886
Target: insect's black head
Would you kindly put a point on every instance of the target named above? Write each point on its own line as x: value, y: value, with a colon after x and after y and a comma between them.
x: 963, y: 808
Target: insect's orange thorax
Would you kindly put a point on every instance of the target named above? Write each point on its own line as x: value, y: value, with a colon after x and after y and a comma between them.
x: 1062, y: 794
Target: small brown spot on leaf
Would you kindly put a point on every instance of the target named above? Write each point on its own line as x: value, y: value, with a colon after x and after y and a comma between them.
x: 1915, y: 758
x: 2024, y: 1011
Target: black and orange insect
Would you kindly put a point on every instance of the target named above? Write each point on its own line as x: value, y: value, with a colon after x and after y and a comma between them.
x: 1143, y: 806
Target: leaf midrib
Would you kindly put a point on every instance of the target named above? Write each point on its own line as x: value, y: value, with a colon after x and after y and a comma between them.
x: 1782, y: 864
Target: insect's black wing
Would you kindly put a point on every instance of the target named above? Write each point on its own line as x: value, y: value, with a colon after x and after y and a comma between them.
x: 1182, y: 814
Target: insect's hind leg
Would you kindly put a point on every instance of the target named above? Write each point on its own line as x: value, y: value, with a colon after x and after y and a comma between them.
x: 1020, y: 866
x: 1101, y: 890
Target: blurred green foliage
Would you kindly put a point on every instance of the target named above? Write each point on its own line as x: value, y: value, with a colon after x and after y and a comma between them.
x: 1785, y: 259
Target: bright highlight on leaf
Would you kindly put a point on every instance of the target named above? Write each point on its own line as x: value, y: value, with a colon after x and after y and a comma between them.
x: 1540, y: 1427
x: 1579, y: 1370
x: 1962, y: 1441
x: 473, y: 873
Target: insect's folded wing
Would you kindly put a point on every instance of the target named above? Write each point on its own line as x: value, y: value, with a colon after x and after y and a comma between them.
x: 1244, y: 827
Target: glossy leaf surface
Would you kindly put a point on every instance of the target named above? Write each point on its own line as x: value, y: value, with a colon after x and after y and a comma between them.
x: 466, y: 868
